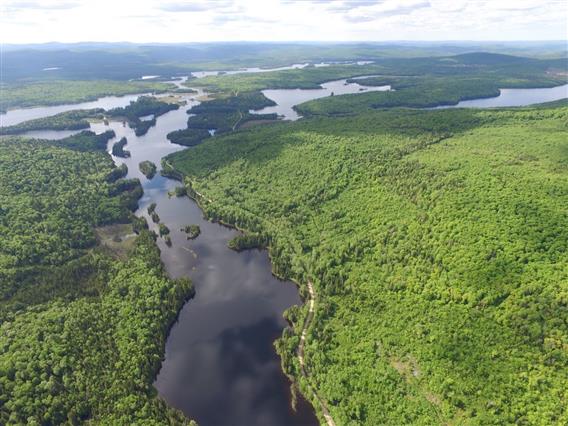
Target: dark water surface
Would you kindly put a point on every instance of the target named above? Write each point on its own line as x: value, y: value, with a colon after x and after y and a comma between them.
x: 220, y: 364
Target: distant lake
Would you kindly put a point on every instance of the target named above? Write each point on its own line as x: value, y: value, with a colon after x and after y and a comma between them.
x: 201, y: 74
x: 515, y: 97
x: 286, y: 99
x: 16, y: 116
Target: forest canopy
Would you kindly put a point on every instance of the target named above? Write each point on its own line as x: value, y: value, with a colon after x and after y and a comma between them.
x: 436, y: 241
x: 82, y: 329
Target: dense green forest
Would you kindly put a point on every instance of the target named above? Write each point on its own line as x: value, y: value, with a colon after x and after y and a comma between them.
x: 69, y: 120
x: 436, y: 242
x: 22, y: 95
x: 124, y: 61
x: 143, y: 106
x: 188, y: 137
x: 83, y: 327
x: 508, y: 71
x: 148, y: 168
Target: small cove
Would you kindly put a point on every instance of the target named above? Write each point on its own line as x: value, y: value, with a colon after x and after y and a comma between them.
x: 286, y: 99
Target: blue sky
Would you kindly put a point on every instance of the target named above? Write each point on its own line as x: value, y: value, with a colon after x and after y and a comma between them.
x: 142, y: 21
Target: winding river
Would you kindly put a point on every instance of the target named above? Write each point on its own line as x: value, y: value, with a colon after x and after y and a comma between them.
x: 220, y: 351
x: 220, y: 365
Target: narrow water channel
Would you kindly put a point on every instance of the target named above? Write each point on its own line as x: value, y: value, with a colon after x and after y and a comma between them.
x: 220, y: 364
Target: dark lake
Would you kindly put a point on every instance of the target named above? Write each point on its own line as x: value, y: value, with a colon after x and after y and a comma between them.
x: 220, y: 364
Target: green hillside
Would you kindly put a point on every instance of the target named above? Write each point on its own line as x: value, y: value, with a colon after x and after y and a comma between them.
x: 436, y: 242
x: 85, y: 304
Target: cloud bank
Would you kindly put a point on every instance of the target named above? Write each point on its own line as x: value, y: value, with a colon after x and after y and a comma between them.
x: 281, y: 20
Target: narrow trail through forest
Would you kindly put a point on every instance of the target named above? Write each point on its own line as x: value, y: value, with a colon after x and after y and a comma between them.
x: 301, y: 347
x: 238, y: 121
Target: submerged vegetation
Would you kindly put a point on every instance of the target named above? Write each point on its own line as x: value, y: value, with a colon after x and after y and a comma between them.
x: 435, y: 241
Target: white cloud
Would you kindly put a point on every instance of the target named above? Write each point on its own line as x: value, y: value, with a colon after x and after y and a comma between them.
x: 374, y: 11
x: 195, y: 6
x: 266, y: 20
x: 40, y: 5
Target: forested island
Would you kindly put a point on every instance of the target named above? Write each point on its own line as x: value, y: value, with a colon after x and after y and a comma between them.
x: 148, y: 168
x: 118, y: 148
x: 143, y: 106
x: 192, y: 231
x: 224, y: 114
